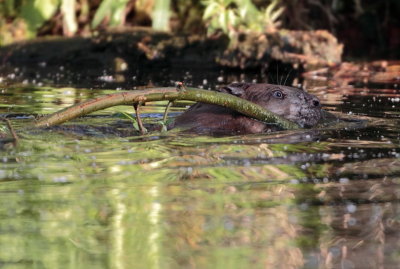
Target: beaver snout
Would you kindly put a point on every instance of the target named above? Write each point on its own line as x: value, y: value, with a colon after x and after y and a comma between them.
x: 315, y: 102
x: 310, y: 100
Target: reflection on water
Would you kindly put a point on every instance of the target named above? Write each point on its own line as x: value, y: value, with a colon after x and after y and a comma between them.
x: 326, y: 198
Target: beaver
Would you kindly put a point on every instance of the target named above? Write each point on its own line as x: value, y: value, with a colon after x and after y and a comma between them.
x: 291, y: 103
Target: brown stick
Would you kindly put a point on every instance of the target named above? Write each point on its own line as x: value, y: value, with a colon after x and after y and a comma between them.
x: 164, y: 119
x: 12, y: 131
x: 142, y: 130
x: 171, y: 94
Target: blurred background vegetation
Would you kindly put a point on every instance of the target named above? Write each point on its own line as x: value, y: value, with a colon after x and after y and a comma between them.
x: 359, y: 24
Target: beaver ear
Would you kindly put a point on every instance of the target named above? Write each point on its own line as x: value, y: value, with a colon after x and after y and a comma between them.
x: 237, y: 88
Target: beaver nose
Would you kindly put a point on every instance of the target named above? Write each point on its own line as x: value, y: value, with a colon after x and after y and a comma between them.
x: 315, y: 102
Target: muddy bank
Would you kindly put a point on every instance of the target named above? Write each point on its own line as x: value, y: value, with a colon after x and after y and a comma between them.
x: 133, y: 49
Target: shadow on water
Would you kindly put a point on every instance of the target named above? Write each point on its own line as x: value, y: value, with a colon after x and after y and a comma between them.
x: 316, y: 198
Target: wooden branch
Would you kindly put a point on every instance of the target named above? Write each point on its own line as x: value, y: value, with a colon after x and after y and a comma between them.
x: 167, y: 93
x: 14, y: 135
x: 137, y: 106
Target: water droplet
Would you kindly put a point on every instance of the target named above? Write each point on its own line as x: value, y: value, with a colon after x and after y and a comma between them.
x: 351, y: 208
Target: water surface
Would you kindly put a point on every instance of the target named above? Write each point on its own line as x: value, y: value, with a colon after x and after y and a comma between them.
x: 326, y: 198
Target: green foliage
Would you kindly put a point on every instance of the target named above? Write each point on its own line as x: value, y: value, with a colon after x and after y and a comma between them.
x: 112, y: 10
x: 70, y: 23
x: 22, y: 19
x: 234, y: 15
x: 161, y: 15
x: 36, y: 12
x: 7, y: 8
x: 135, y: 124
x: 3, y: 130
x: 188, y: 16
x: 271, y: 15
x: 228, y: 15
x: 220, y: 15
x: 28, y: 16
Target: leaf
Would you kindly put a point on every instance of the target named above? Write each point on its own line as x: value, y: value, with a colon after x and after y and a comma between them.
x: 9, y: 8
x: 163, y: 125
x: 222, y: 22
x: 132, y: 119
x: 36, y: 12
x: 210, y: 11
x: 232, y: 18
x: 277, y: 14
x: 243, y: 12
x: 251, y: 10
x: 271, y: 16
x: 69, y: 18
x: 47, y: 8
x: 102, y: 12
x: 270, y: 7
x: 226, y: 3
x: 117, y: 12
x: 161, y: 14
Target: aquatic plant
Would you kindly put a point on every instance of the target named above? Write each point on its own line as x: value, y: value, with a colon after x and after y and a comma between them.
x: 231, y: 16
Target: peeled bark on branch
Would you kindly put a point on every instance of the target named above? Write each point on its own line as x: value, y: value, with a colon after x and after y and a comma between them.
x: 166, y: 93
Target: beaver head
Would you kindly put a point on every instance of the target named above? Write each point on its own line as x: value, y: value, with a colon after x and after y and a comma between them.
x: 291, y: 103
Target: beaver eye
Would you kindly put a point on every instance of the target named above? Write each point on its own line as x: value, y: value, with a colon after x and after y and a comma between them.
x: 278, y: 94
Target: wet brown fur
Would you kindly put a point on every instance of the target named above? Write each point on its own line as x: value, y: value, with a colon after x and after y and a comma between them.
x: 295, y: 105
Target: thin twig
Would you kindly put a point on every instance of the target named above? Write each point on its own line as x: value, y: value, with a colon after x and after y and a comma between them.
x: 12, y: 131
x: 180, y: 86
x: 137, y: 106
x: 164, y: 119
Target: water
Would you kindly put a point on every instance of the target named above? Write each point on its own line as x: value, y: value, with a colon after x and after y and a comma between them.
x: 295, y: 199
